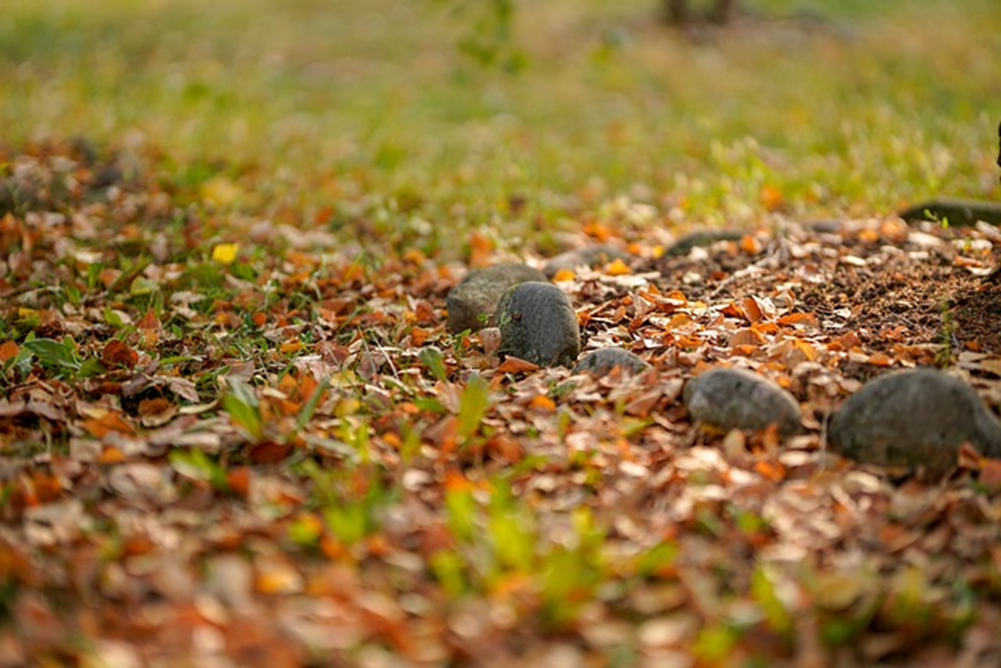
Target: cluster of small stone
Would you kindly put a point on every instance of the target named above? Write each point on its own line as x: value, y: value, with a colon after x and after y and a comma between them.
x: 536, y: 320
x: 915, y: 420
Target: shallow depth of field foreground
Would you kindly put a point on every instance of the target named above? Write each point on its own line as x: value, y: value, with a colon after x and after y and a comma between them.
x: 242, y: 423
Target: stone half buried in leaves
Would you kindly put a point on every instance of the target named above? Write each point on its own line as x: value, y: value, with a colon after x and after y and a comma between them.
x: 739, y: 399
x: 591, y: 256
x: 915, y: 420
x: 601, y: 362
x: 538, y: 324
x: 471, y: 304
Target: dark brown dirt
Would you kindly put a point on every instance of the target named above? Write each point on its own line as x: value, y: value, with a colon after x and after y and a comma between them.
x: 896, y: 287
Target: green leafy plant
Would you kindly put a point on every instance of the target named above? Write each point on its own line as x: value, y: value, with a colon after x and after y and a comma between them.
x: 61, y: 357
x: 474, y: 404
x: 243, y: 407
x: 195, y: 464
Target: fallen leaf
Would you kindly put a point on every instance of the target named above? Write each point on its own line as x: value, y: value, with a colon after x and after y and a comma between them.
x: 516, y: 365
x: 8, y: 350
x: 225, y: 253
x: 118, y: 353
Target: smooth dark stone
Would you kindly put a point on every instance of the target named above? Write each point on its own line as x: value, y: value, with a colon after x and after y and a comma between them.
x: 961, y: 212
x: 915, y: 419
x: 538, y: 324
x: 471, y: 304
x: 740, y: 399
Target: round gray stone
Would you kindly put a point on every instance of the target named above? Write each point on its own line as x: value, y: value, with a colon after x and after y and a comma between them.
x: 538, y: 324
x: 590, y: 256
x: 471, y: 304
x: 740, y: 399
x: 915, y: 419
x: 601, y: 362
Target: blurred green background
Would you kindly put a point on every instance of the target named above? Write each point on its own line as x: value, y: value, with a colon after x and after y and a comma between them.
x: 373, y: 109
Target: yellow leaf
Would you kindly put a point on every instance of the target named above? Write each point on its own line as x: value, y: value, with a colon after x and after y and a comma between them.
x: 220, y: 191
x: 225, y: 253
x: 564, y: 275
x: 617, y: 268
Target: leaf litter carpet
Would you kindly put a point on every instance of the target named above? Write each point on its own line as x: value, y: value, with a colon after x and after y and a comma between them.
x: 227, y: 440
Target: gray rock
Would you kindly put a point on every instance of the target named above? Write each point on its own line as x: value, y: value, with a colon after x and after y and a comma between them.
x: 700, y: 238
x: 601, y: 362
x: 472, y: 303
x: 956, y: 211
x: 592, y: 256
x: 538, y: 324
x: 740, y: 399
x: 916, y: 420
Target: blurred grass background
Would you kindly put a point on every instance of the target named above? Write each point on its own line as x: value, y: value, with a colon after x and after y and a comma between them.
x: 368, y: 109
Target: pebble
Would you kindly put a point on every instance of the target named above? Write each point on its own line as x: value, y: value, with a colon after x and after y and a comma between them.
x: 601, y: 362
x: 472, y: 303
x: 915, y: 420
x: 740, y: 399
x: 538, y: 324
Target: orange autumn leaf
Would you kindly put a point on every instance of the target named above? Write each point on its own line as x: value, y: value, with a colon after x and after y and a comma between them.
x: 804, y: 348
x: 542, y: 402
x: 880, y: 359
x: 238, y: 480
x: 751, y: 310
x: 418, y: 336
x: 455, y: 481
x: 617, y: 268
x: 564, y: 275
x: 149, y: 321
x: 675, y: 296
x: 679, y: 320
x: 849, y: 340
x: 772, y: 470
x: 505, y: 448
x: 102, y: 425
x: 747, y: 337
x: 278, y: 577
x: 750, y: 245
x: 480, y: 249
x: 108, y: 276
x: 111, y: 455
x: 118, y: 353
x: 8, y: 350
x: 517, y: 365
x: 771, y: 197
x: 688, y: 341
x: 732, y: 310
x: 599, y: 231
x: 804, y: 319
